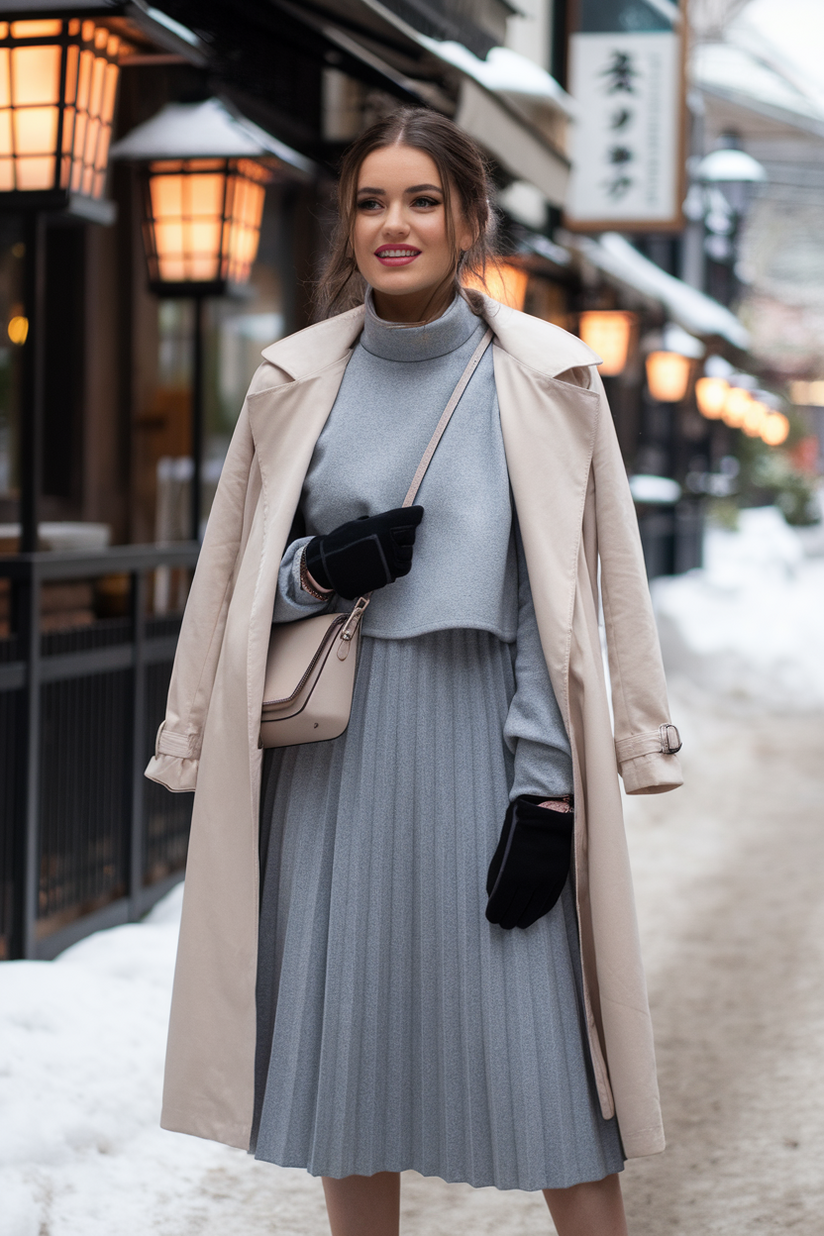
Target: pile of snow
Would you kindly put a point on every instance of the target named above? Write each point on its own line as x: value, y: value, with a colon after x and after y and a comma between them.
x: 81, y: 1151
x: 749, y: 626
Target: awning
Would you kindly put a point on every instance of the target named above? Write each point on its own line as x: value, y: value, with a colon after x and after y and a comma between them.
x: 504, y: 72
x: 516, y: 146
x: 695, y: 311
x: 487, y: 90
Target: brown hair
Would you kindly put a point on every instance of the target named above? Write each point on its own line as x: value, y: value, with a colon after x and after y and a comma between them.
x: 462, y: 169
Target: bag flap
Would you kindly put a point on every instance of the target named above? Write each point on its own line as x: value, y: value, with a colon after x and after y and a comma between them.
x: 295, y: 648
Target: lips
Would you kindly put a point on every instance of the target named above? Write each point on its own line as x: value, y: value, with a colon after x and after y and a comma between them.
x: 396, y: 255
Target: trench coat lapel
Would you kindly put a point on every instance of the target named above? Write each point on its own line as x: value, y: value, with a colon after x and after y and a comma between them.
x: 286, y: 424
x: 286, y: 421
x: 547, y: 420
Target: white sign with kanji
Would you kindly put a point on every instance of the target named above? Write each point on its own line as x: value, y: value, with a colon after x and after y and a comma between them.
x: 626, y: 147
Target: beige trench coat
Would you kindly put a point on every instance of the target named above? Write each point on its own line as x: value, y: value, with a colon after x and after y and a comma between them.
x: 575, y: 509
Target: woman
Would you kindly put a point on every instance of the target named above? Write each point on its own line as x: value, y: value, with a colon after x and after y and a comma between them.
x: 419, y: 995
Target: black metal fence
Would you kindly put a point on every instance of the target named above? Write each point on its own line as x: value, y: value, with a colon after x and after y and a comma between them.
x: 672, y: 537
x: 85, y: 841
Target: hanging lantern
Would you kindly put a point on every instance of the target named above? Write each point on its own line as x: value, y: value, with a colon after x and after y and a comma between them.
x: 608, y: 332
x: 58, y: 86
x: 736, y: 406
x: 754, y: 418
x: 775, y: 429
x: 668, y: 376
x: 202, y: 221
x: 711, y: 395
x: 502, y: 282
x: 205, y: 177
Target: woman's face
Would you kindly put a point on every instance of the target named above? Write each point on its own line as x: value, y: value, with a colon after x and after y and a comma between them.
x: 400, y: 237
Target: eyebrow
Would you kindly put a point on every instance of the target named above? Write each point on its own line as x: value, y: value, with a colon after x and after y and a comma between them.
x: 411, y: 189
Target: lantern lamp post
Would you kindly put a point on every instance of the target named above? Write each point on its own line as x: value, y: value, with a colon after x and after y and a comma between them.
x: 737, y: 404
x: 204, y: 183
x: 775, y: 429
x: 670, y: 363
x: 711, y: 396
x: 202, y: 223
x: 724, y: 183
x: 58, y: 89
x: 503, y: 282
x: 608, y: 332
x: 668, y: 376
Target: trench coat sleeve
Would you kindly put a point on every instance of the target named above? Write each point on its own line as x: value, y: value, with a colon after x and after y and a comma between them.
x: 177, y: 747
x: 639, y: 691
x: 534, y: 727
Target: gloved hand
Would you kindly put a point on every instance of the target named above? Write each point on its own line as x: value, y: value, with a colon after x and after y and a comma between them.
x: 366, y: 553
x: 531, y: 864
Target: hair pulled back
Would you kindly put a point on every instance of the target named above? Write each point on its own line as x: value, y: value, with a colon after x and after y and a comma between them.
x: 463, y: 171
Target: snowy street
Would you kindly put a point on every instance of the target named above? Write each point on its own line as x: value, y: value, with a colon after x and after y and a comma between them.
x: 731, y: 905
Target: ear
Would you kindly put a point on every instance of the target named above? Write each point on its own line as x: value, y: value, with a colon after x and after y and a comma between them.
x: 466, y: 236
x: 465, y: 233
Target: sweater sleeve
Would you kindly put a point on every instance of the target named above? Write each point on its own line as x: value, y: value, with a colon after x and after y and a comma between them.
x: 534, y: 729
x: 291, y: 602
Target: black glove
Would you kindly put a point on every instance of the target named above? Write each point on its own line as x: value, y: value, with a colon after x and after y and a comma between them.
x: 530, y: 866
x: 366, y: 553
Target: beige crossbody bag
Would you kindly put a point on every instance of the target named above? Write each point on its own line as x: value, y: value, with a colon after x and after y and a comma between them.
x: 311, y: 663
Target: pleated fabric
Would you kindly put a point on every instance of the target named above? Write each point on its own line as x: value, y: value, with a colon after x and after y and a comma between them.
x: 397, y: 1028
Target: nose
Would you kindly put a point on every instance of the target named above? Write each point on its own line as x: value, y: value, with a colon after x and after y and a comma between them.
x: 394, y: 223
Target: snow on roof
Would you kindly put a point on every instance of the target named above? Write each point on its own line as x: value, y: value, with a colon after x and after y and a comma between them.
x: 735, y: 69
x: 504, y: 71
x: 690, y: 308
x: 202, y: 130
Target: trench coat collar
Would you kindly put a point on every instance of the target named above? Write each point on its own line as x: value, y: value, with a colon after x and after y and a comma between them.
x: 538, y: 344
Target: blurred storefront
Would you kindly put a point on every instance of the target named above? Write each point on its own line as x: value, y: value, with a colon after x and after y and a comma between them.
x: 120, y: 387
x: 121, y: 381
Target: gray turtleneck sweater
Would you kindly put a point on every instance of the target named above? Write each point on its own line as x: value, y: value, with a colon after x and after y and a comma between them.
x: 468, y: 568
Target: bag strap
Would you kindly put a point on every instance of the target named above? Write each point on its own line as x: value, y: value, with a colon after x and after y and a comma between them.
x: 474, y: 361
x: 353, y: 621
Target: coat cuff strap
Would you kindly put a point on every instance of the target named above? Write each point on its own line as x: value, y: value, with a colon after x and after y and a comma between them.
x: 184, y: 746
x: 664, y: 741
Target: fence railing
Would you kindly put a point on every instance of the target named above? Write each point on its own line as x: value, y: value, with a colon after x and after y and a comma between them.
x: 85, y: 841
x: 672, y: 537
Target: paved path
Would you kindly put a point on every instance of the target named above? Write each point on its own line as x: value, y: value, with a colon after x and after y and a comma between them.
x: 730, y: 879
x: 730, y: 885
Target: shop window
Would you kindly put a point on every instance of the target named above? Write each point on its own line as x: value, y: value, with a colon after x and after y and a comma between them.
x: 235, y: 330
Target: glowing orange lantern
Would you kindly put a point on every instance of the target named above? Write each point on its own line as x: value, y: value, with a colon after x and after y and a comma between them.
x: 668, y: 376
x: 202, y: 220
x: 206, y: 173
x: 608, y: 332
x: 711, y: 394
x: 502, y: 282
x: 58, y: 87
x: 736, y: 406
x: 754, y: 418
x: 775, y: 429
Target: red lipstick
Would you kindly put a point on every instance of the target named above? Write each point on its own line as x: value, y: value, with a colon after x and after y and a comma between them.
x: 396, y: 255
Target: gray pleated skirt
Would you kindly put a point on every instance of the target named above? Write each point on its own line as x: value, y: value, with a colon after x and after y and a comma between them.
x: 397, y: 1028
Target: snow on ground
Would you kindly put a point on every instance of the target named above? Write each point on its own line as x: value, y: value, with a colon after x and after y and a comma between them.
x: 749, y: 627
x: 81, y: 1153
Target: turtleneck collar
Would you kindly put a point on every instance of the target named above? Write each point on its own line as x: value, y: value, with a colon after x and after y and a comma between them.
x: 397, y: 342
